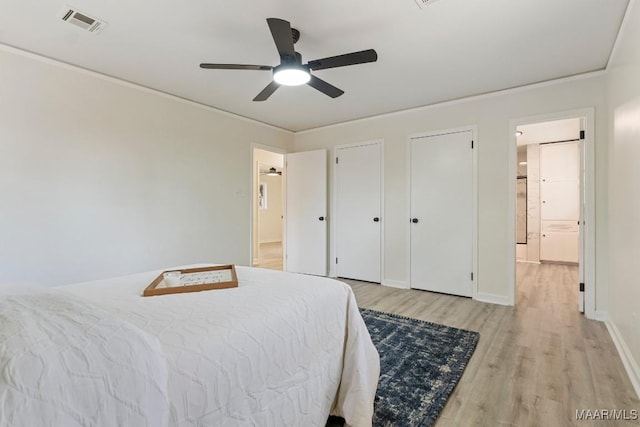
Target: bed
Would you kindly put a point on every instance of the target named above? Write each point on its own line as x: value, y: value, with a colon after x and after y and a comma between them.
x: 281, y: 349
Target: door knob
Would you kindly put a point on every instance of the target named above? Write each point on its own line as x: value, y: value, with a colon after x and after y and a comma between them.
x: 321, y: 218
x: 414, y: 220
x: 376, y: 219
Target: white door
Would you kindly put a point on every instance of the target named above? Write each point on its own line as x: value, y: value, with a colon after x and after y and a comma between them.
x: 358, y: 206
x: 560, y: 197
x: 581, y: 201
x: 306, y: 212
x: 442, y: 213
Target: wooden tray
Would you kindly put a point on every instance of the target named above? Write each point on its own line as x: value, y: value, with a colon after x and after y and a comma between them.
x: 193, y: 280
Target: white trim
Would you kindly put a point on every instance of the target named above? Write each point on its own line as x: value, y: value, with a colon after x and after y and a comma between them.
x: 383, y: 217
x: 334, y: 194
x: 474, y: 237
x: 601, y: 315
x: 126, y: 83
x: 457, y: 101
x: 474, y: 136
x: 407, y: 169
x: 629, y: 363
x: 621, y: 30
x: 589, y: 219
x: 492, y: 298
x: 395, y: 284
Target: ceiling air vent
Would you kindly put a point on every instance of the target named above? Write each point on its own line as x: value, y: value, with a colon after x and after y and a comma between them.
x: 422, y: 3
x: 82, y: 20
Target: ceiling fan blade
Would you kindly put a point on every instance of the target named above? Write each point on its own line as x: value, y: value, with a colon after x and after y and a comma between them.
x: 267, y: 92
x: 325, y: 87
x: 234, y: 67
x: 353, y: 58
x: 281, y: 32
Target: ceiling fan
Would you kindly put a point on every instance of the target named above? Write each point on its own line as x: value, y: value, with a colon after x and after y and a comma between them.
x: 291, y: 71
x: 271, y: 172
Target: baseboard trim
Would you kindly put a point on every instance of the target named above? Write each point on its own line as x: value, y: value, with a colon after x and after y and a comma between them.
x: 395, y: 284
x: 602, y: 316
x: 625, y: 354
x: 492, y: 298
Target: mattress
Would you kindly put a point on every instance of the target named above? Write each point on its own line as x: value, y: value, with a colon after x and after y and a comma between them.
x: 281, y: 349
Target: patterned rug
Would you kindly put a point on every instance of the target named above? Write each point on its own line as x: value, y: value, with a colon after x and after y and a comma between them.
x: 420, y: 365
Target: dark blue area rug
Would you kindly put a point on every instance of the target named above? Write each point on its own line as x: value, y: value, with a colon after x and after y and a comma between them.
x: 420, y: 365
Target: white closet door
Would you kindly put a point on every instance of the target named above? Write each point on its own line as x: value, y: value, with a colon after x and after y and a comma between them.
x: 559, y: 246
x: 358, y: 207
x: 442, y: 213
x: 559, y: 162
x: 560, y: 201
x: 306, y: 212
x: 560, y: 197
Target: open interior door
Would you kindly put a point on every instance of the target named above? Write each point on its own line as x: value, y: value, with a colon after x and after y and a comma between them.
x: 306, y: 212
x: 581, y: 148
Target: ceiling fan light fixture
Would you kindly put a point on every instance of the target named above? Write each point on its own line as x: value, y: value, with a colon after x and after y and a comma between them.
x: 291, y: 75
x: 273, y: 172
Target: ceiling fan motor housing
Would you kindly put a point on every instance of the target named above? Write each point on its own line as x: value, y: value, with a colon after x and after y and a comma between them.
x: 295, y: 34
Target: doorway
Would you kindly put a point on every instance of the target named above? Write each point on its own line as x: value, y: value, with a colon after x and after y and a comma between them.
x: 551, y: 203
x: 268, y: 204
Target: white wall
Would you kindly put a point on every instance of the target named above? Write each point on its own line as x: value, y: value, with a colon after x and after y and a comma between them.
x: 491, y: 114
x: 101, y: 178
x: 624, y: 180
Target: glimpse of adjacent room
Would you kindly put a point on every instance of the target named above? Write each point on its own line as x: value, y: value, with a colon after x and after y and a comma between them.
x: 548, y: 203
x: 268, y: 209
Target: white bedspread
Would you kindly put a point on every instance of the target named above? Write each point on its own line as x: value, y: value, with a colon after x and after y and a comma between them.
x: 64, y: 362
x: 280, y: 350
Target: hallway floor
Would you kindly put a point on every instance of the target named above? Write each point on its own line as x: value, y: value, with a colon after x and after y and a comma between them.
x: 270, y: 256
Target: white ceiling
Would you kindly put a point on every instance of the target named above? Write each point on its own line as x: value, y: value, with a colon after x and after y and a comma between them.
x: 445, y: 50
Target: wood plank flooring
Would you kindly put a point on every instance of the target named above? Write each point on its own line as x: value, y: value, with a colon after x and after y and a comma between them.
x: 270, y: 256
x: 535, y: 364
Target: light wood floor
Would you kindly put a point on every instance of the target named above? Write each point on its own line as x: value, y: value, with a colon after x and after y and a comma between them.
x: 535, y: 364
x: 270, y: 256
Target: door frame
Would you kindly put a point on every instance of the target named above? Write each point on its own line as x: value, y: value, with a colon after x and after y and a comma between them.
x: 474, y: 214
x: 334, y: 198
x: 254, y: 179
x: 588, y: 226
